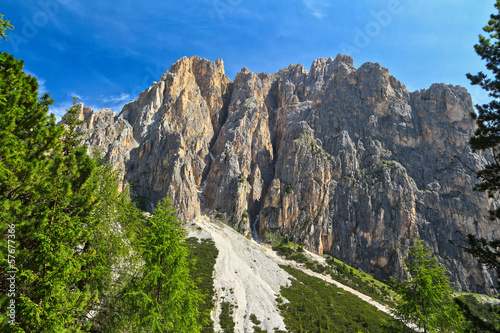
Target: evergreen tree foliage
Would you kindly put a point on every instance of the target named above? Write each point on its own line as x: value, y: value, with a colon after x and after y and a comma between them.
x: 162, y: 297
x: 4, y: 25
x: 46, y: 200
x: 46, y: 204
x: 118, y: 224
x: 426, y: 298
x: 487, y: 138
x: 487, y: 135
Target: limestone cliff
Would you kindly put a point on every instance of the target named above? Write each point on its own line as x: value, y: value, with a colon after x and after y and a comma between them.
x: 343, y: 160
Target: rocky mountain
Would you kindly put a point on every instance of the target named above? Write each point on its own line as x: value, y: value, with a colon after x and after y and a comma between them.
x: 344, y: 160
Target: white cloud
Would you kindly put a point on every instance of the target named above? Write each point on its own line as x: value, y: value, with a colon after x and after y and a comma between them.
x: 115, y: 98
x: 115, y: 102
x: 72, y: 94
x: 317, y: 8
x: 42, y: 88
x: 58, y: 45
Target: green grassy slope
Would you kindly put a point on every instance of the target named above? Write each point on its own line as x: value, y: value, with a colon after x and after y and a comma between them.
x: 317, y: 306
x: 340, y: 272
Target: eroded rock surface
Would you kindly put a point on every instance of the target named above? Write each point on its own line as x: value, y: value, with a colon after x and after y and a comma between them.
x: 341, y: 159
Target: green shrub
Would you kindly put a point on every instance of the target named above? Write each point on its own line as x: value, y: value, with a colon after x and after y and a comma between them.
x: 360, y: 281
x: 316, y: 306
x: 483, y: 316
x: 203, y: 255
x: 226, y: 318
x: 256, y: 322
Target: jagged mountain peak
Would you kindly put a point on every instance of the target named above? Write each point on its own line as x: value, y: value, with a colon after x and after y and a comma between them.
x: 345, y: 161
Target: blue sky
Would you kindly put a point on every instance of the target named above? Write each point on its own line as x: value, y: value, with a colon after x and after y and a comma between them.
x: 106, y: 51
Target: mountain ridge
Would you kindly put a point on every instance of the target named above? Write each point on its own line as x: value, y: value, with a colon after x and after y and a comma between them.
x: 345, y: 161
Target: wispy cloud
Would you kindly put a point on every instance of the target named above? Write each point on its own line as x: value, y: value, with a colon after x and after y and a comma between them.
x: 42, y: 88
x: 58, y: 45
x: 317, y: 8
x: 115, y: 102
x: 115, y: 98
x: 72, y: 94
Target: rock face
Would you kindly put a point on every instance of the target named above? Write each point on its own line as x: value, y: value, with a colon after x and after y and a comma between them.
x: 345, y: 161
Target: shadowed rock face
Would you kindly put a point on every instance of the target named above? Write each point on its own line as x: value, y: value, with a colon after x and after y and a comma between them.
x: 343, y: 160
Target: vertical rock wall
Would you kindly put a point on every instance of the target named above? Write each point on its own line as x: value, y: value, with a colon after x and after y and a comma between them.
x: 345, y: 161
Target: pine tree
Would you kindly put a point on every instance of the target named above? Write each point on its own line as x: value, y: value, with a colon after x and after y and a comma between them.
x: 114, y: 241
x: 487, y: 138
x: 426, y: 298
x: 46, y: 203
x: 4, y: 25
x: 163, y: 297
x: 487, y: 135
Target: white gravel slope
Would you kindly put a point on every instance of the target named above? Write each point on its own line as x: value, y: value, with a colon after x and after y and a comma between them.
x: 246, y: 274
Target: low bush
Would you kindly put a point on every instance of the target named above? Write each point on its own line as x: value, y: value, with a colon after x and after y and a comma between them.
x: 226, y: 318
x: 203, y: 254
x: 339, y: 271
x: 316, y: 306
